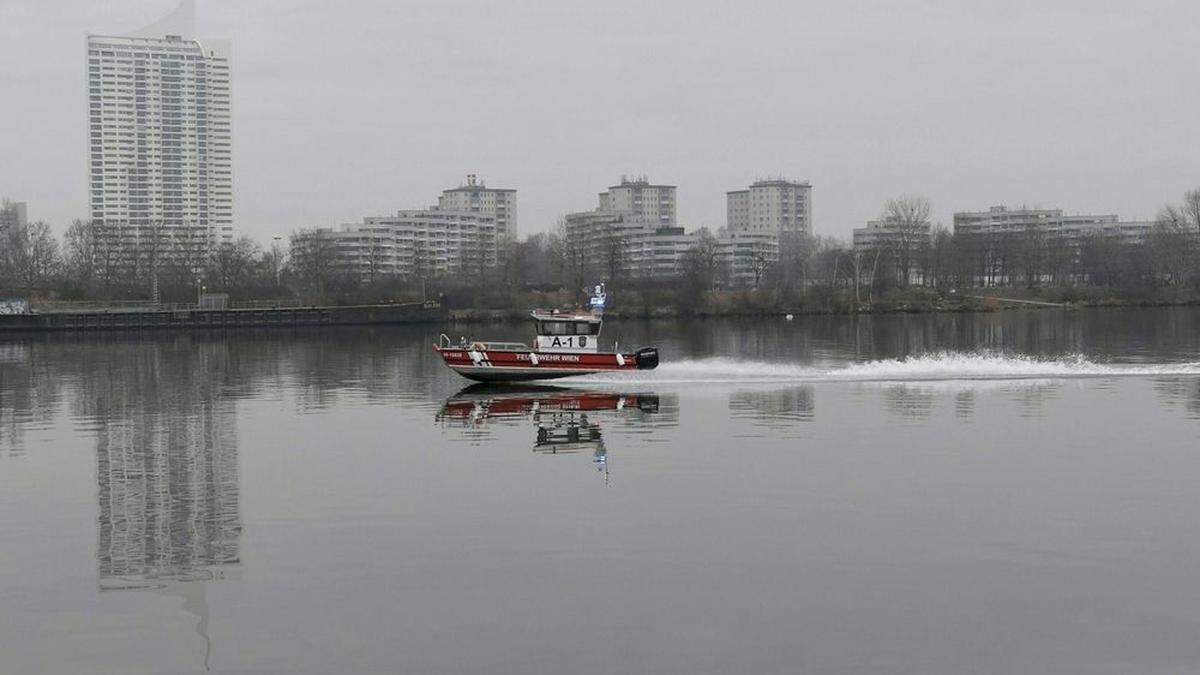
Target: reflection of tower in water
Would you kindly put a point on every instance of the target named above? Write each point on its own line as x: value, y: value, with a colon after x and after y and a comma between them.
x: 24, y: 396
x: 168, y: 486
x: 169, y: 506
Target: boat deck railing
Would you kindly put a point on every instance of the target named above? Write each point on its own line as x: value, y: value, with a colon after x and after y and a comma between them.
x: 444, y: 342
x: 505, y: 346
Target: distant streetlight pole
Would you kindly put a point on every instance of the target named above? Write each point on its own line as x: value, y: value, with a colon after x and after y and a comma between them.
x: 275, y: 256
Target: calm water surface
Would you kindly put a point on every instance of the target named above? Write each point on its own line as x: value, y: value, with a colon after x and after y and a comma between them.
x: 1009, y: 493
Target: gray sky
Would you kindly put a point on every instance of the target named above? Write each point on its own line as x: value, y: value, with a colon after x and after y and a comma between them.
x: 349, y: 108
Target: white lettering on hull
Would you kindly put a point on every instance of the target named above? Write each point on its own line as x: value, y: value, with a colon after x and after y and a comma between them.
x: 567, y: 358
x: 490, y: 358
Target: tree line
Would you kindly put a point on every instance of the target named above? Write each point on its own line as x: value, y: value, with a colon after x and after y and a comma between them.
x: 918, y: 259
x: 165, y: 265
x: 1162, y: 263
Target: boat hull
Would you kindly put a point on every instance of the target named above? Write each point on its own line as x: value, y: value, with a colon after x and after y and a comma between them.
x: 495, y: 365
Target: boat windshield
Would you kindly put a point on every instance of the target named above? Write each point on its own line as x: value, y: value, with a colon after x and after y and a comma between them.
x: 568, y: 327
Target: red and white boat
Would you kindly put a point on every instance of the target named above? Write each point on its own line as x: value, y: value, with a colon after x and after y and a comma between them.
x: 566, y: 344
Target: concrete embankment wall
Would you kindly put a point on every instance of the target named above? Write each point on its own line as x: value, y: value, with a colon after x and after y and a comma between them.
x: 151, y: 319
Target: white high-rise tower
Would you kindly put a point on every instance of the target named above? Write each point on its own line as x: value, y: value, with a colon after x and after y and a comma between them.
x: 159, y: 141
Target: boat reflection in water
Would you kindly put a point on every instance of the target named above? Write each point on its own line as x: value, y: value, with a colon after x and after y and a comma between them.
x: 567, y: 420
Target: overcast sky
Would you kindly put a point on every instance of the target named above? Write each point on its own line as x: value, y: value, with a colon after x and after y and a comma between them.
x: 349, y: 108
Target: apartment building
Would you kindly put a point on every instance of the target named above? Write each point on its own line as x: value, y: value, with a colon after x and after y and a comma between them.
x: 626, y: 236
x: 890, y: 234
x: 651, y: 203
x: 776, y: 206
x: 613, y: 243
x: 475, y: 197
x: 1000, y: 220
x: 422, y: 242
x: 746, y: 256
x: 13, y: 214
x: 160, y: 165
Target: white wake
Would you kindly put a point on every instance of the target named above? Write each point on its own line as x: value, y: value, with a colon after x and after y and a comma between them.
x: 936, y: 367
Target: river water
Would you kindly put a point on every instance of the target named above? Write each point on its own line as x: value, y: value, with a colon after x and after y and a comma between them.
x: 997, y: 493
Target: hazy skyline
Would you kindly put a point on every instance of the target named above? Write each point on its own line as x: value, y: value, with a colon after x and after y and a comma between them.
x: 348, y: 109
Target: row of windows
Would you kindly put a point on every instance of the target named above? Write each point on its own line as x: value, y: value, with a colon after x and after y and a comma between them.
x: 157, y: 52
x: 124, y: 116
x: 124, y: 81
x: 144, y: 203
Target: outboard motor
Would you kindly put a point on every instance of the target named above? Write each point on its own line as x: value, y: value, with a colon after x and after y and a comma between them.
x: 646, y: 358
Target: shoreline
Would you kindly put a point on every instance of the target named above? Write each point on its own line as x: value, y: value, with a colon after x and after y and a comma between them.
x: 975, y: 306
x: 431, y: 314
x: 195, y: 318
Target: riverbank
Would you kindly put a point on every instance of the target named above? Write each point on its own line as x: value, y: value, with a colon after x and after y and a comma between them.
x: 154, y: 318
x: 754, y: 304
x: 629, y: 306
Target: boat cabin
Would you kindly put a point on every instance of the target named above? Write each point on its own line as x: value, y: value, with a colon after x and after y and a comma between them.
x: 562, y: 332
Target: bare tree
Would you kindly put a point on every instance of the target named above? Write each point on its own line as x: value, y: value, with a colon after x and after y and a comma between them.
x: 569, y: 256
x: 109, y: 265
x: 1172, y: 250
x: 538, y: 266
x: 1100, y: 259
x: 1185, y: 215
x: 825, y: 259
x: 512, y: 263
x: 421, y: 270
x: 760, y: 262
x: 939, y: 260
x: 31, y: 257
x: 702, y: 269
x: 313, y: 259
x: 233, y: 265
x: 1059, y: 258
x: 1175, y: 240
x: 796, y: 250
x: 1030, y: 248
x: 80, y: 265
x: 908, y: 219
x: 614, y: 257
x: 864, y: 261
x: 478, y: 257
x: 375, y: 253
